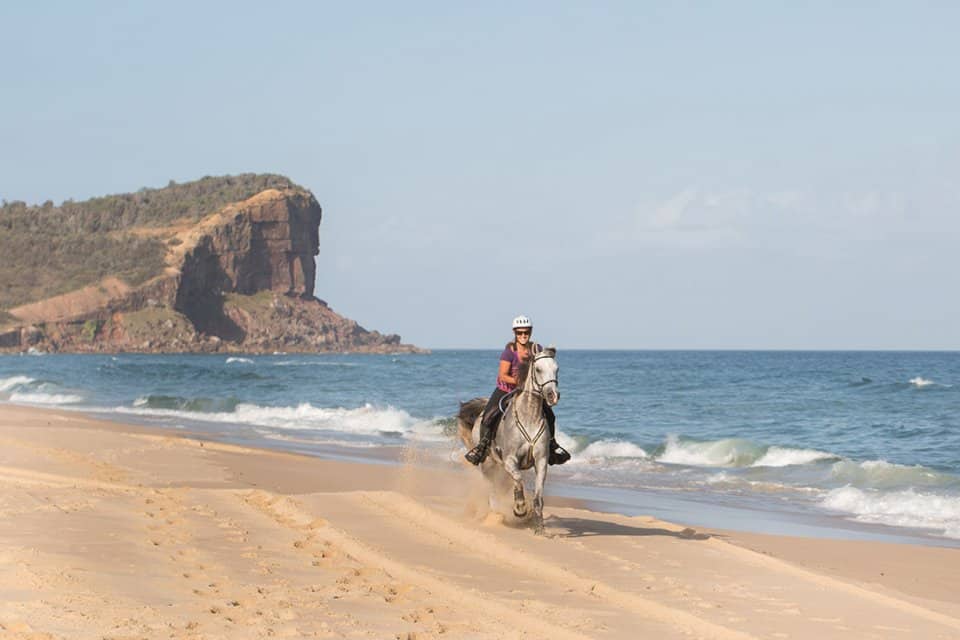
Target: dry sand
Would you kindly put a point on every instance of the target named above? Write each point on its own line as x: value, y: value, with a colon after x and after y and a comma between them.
x: 110, y: 531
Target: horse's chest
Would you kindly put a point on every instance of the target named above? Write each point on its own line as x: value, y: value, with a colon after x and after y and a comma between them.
x: 525, y: 457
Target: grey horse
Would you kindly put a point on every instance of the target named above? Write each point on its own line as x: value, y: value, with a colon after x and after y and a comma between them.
x: 522, y: 440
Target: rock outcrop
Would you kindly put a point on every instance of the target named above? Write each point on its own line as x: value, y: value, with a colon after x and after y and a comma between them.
x: 266, y: 243
x: 240, y: 280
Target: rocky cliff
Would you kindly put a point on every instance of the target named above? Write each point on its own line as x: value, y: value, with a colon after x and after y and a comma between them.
x: 239, y: 280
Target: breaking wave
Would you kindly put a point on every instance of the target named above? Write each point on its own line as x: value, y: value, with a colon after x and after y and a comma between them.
x: 880, y: 474
x: 609, y: 449
x: 365, y: 420
x: 177, y: 403
x: 785, y: 457
x: 736, y: 452
x: 26, y: 390
x: 6, y: 384
x: 730, y: 452
x: 921, y: 383
x: 38, y: 397
x: 905, y: 508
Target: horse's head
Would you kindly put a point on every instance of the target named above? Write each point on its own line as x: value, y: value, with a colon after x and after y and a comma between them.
x: 544, y: 378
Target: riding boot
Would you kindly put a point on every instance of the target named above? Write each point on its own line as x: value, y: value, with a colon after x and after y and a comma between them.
x: 558, y: 455
x: 487, y: 431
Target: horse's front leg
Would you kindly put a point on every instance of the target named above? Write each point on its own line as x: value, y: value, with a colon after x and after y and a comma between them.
x: 519, y: 500
x: 540, y: 463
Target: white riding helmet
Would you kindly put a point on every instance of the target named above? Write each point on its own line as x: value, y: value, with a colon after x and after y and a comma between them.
x: 522, y: 322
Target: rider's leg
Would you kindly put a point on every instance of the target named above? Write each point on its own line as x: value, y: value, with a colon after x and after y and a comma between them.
x: 558, y: 455
x: 488, y: 428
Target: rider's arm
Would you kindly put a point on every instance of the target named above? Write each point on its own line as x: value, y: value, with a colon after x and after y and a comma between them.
x: 504, y: 373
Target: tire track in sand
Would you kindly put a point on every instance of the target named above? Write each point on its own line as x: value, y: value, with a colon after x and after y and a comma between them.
x: 404, y: 512
x: 905, y: 606
x: 409, y: 512
x: 288, y: 513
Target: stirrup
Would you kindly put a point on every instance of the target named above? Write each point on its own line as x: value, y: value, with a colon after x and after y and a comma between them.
x: 479, y: 453
x: 558, y: 455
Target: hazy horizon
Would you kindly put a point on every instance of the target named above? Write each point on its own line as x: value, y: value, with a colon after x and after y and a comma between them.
x: 744, y: 177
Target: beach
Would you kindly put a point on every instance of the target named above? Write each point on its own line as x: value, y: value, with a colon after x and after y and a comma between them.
x: 125, y: 531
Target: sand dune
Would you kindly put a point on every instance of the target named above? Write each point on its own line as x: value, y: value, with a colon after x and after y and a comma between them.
x: 110, y: 531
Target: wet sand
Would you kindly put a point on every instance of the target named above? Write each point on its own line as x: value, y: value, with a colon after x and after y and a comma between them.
x: 116, y: 531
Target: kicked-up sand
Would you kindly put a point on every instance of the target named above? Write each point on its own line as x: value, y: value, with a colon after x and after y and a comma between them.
x: 112, y: 531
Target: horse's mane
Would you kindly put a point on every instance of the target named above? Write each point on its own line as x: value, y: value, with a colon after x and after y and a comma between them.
x: 524, y: 370
x: 550, y: 352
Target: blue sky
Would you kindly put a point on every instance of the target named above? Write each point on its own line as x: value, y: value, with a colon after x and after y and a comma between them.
x: 631, y: 175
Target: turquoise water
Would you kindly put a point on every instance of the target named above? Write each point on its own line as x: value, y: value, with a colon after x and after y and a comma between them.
x: 867, y: 443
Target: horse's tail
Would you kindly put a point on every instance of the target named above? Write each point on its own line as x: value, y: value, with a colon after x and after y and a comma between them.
x: 467, y: 416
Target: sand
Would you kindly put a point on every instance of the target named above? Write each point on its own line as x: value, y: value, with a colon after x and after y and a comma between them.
x: 115, y: 531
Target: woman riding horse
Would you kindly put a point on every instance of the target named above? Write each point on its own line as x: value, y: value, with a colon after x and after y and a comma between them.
x: 514, y: 355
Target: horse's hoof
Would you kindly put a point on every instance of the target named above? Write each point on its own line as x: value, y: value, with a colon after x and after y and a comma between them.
x: 539, y: 530
x: 521, y: 513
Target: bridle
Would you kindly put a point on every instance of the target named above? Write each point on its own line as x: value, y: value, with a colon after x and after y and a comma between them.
x: 533, y: 373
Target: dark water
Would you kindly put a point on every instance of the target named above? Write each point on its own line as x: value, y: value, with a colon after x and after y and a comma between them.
x: 866, y: 438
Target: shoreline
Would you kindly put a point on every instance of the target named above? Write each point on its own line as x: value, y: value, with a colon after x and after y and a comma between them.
x: 726, y: 455
x: 682, y: 508
x: 125, y: 529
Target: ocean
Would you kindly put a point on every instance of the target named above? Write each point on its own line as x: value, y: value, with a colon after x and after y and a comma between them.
x: 862, y: 445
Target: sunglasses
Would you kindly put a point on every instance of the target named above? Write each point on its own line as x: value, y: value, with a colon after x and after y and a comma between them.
x: 524, y: 332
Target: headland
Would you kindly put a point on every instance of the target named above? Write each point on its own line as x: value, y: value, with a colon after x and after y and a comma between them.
x: 216, y: 265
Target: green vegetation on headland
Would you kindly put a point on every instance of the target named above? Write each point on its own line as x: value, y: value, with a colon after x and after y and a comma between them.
x: 48, y: 250
x: 39, y: 265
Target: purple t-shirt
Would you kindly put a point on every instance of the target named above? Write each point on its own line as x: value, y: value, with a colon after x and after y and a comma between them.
x: 511, y: 356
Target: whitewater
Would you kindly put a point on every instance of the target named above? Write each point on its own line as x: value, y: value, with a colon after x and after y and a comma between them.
x: 858, y: 444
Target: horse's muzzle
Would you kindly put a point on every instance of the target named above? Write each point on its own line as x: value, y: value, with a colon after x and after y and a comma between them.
x: 552, y: 397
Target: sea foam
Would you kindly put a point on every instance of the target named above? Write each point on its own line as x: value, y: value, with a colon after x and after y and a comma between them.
x: 38, y: 397
x: 365, y: 420
x: 785, y: 457
x: 27, y: 390
x: 905, y: 508
x: 610, y: 449
x: 6, y: 384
